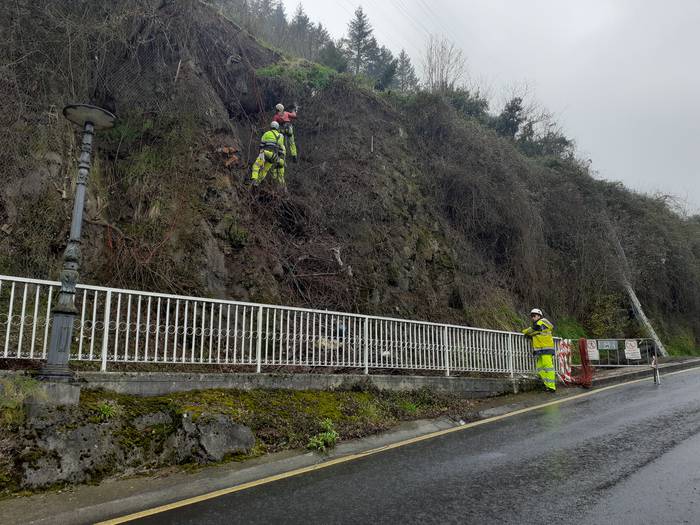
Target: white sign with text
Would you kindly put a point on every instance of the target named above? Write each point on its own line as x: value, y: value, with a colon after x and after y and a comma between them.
x: 632, y: 349
x: 592, y: 350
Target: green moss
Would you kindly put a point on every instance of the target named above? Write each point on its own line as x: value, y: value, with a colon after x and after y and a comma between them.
x: 32, y: 456
x: 237, y: 236
x: 409, y: 407
x: 14, y: 391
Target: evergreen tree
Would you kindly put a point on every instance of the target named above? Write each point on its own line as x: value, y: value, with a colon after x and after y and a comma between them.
x: 406, y: 79
x: 511, y: 118
x: 381, y: 65
x: 278, y: 25
x: 360, y: 40
x: 299, y: 32
x: 319, y: 39
x: 332, y: 55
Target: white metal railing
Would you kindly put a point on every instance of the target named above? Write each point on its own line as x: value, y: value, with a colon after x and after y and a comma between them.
x: 117, y: 325
x: 614, y: 355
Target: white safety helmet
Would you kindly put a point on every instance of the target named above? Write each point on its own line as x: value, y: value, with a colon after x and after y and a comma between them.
x: 275, y: 125
x: 279, y: 107
x: 536, y: 311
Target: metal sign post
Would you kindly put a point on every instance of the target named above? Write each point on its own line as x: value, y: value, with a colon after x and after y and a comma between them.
x: 655, y: 366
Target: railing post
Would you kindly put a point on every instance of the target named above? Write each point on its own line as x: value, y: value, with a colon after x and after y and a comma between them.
x: 511, y: 363
x: 105, y: 333
x: 511, y: 357
x: 445, y: 344
x: 258, y: 346
x: 366, y: 338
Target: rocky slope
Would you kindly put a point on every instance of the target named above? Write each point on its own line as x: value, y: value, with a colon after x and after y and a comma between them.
x: 399, y: 205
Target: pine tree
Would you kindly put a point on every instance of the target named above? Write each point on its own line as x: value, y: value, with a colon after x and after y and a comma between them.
x: 406, y: 79
x: 381, y: 66
x: 332, y: 55
x: 299, y: 32
x: 278, y: 25
x: 359, y: 39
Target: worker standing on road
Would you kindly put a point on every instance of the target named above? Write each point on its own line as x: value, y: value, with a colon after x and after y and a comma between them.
x: 271, y: 157
x: 284, y: 119
x: 543, y: 344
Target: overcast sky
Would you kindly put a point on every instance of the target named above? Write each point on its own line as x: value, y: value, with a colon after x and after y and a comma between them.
x: 621, y: 76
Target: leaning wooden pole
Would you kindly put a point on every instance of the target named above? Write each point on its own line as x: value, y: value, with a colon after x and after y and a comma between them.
x: 639, y: 312
x: 627, y: 285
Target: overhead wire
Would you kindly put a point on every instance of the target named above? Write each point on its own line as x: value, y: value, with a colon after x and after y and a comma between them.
x: 383, y: 35
x: 417, y: 24
x: 402, y: 36
x: 446, y: 30
x: 347, y: 7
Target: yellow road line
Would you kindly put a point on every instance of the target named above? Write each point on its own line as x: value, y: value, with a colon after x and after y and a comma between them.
x: 359, y: 455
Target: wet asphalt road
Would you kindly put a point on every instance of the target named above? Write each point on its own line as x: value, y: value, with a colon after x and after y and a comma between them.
x: 626, y: 455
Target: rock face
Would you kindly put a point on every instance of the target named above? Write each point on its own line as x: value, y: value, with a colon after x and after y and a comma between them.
x: 219, y: 436
x: 60, y: 446
x: 210, y: 438
x: 73, y: 456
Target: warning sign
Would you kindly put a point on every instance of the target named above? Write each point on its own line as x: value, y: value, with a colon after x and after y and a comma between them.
x: 592, y: 350
x: 632, y: 349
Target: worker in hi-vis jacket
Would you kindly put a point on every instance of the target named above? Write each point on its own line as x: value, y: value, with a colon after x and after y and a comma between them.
x: 543, y: 348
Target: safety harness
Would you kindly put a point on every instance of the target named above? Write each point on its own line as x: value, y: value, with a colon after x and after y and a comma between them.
x: 272, y: 146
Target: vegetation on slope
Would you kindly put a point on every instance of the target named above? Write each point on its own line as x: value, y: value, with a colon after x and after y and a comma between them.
x: 419, y: 205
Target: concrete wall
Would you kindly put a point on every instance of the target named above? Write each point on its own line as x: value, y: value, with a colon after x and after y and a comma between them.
x: 159, y: 383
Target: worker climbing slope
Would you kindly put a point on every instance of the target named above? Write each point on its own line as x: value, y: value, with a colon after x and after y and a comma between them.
x: 543, y: 348
x: 285, y: 119
x: 271, y: 157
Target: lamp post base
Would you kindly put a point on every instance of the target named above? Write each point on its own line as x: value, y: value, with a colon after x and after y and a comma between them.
x: 56, y: 373
x: 56, y: 367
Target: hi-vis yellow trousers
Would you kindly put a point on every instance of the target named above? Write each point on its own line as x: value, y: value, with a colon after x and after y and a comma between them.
x: 266, y: 162
x: 545, y: 368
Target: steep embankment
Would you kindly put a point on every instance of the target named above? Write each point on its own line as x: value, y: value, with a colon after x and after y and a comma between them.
x: 398, y: 205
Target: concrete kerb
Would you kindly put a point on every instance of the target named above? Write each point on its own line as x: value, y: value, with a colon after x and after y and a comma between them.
x: 162, y: 383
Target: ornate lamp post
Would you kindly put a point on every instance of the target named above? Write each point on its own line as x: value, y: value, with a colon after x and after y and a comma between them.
x: 91, y: 119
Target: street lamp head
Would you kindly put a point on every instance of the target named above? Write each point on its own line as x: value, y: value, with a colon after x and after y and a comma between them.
x: 81, y: 114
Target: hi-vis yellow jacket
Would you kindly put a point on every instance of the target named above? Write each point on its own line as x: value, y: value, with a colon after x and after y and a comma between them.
x: 273, y: 140
x: 541, y: 334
